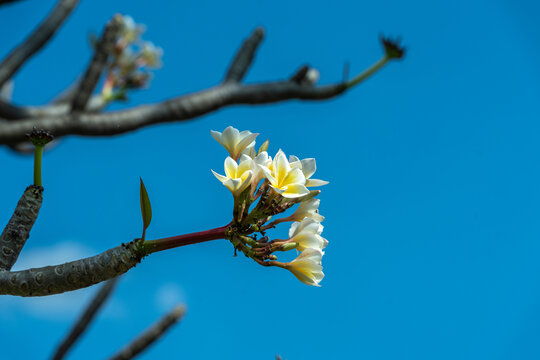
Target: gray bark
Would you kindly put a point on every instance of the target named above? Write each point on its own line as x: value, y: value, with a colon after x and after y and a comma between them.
x: 73, y: 275
x: 18, y: 228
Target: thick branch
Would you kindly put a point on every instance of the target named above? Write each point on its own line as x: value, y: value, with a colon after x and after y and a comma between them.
x: 177, y: 109
x: 85, y: 319
x: 244, y: 56
x: 143, y: 341
x: 104, y: 48
x: 9, y: 111
x: 36, y: 40
x: 18, y: 228
x: 73, y: 275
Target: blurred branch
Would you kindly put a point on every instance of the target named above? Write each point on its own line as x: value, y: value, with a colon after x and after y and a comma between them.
x: 85, y: 319
x: 104, y: 48
x: 189, y: 106
x: 10, y: 111
x: 3, y: 2
x: 244, y: 56
x: 17, y: 230
x: 147, y: 338
x: 36, y: 40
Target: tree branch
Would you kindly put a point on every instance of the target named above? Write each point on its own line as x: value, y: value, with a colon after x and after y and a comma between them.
x: 244, y: 57
x: 73, y: 275
x: 85, y: 319
x: 104, y: 48
x: 143, y: 341
x: 36, y: 40
x: 192, y: 105
x: 18, y: 228
x: 10, y: 111
x: 177, y: 109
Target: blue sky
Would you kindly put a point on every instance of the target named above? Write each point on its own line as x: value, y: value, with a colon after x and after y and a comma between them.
x: 432, y: 209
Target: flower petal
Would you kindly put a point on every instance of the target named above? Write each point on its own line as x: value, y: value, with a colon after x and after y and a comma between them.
x: 295, y: 176
x: 294, y: 191
x: 220, y: 177
x: 309, y: 167
x: 231, y: 167
x: 315, y: 182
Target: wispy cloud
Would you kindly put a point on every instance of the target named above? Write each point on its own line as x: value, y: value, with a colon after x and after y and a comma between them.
x: 168, y: 296
x: 55, y: 254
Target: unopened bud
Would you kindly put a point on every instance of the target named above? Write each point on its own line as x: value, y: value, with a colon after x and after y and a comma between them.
x: 264, y: 147
x: 289, y: 246
x: 40, y: 137
x: 392, y: 48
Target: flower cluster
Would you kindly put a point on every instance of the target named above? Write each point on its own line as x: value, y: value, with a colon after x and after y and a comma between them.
x: 131, y: 61
x: 277, y: 184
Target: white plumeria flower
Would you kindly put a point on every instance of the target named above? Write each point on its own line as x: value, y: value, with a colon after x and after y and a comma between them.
x: 237, y: 177
x: 307, y: 267
x: 234, y: 141
x: 308, y: 167
x: 307, y: 234
x: 257, y: 173
x: 289, y: 182
x: 307, y: 209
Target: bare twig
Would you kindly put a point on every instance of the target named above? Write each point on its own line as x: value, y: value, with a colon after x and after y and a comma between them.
x: 18, y: 228
x: 36, y: 40
x: 244, y: 57
x: 104, y: 48
x: 86, y: 318
x: 143, y: 341
x: 73, y: 275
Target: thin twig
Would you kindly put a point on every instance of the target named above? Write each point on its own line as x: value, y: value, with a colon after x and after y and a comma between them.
x: 244, y: 56
x: 147, y: 338
x: 86, y: 318
x: 36, y: 40
x: 17, y: 230
x: 104, y: 48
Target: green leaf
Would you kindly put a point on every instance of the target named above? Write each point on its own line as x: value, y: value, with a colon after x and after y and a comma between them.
x: 146, y: 209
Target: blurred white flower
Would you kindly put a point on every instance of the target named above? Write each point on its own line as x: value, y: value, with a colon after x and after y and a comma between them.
x: 151, y: 54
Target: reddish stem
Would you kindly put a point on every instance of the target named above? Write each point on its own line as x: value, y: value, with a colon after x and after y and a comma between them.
x: 153, y: 246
